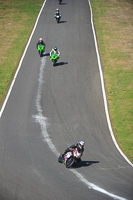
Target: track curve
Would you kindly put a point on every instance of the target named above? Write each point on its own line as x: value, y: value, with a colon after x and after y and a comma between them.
x: 52, y: 107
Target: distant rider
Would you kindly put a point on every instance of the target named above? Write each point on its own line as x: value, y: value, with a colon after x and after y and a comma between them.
x: 79, y: 146
x: 40, y: 41
x: 60, y: 1
x: 55, y: 51
x: 57, y: 13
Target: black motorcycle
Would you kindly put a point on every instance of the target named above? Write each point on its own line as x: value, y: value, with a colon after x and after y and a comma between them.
x: 60, y: 1
x: 58, y: 17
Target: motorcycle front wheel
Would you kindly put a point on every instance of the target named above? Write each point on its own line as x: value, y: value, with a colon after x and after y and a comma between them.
x: 69, y: 162
x: 58, y: 20
x: 61, y: 159
x: 54, y: 61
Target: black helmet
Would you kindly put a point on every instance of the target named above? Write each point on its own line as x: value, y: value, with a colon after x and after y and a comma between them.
x: 55, y: 48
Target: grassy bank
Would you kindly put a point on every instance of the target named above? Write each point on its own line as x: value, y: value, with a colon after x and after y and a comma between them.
x: 113, y: 21
x: 16, y: 22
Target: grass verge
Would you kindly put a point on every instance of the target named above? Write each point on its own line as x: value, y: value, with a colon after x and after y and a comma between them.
x: 113, y: 21
x: 16, y: 23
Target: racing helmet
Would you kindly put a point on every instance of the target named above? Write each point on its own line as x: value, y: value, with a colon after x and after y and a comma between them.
x: 55, y: 48
x: 81, y: 144
x: 57, y: 10
x: 40, y: 39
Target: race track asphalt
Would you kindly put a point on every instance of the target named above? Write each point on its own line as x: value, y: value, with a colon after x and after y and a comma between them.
x: 50, y: 108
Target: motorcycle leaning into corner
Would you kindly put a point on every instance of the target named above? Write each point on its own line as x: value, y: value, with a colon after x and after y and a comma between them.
x: 70, y: 157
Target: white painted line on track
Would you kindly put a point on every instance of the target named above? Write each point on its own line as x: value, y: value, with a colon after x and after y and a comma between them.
x: 39, y: 118
x: 20, y: 63
x: 103, y: 91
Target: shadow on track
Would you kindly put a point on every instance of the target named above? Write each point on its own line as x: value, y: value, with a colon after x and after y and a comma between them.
x: 46, y: 54
x: 62, y: 22
x: 63, y: 3
x: 84, y: 164
x: 60, y: 63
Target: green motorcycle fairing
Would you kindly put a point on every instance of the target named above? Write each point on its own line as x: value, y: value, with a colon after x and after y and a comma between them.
x: 40, y: 47
x: 54, y: 57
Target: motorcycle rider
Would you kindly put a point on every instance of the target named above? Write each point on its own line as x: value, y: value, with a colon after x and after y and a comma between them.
x: 55, y: 51
x: 57, y: 13
x: 60, y: 1
x: 40, y: 41
x: 79, y: 146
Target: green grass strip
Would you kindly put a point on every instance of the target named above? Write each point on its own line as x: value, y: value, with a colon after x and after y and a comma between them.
x: 114, y: 27
x: 17, y: 19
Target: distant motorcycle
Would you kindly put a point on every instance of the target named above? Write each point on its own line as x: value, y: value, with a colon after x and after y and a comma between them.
x: 70, y: 157
x: 40, y: 49
x: 54, y: 58
x: 57, y: 17
x: 60, y: 1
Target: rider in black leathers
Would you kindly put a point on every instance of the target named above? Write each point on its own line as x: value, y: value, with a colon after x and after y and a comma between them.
x: 57, y: 13
x: 79, y: 146
x: 60, y: 1
x: 40, y: 42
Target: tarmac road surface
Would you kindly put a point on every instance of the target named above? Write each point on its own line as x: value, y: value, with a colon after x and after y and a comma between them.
x: 50, y: 108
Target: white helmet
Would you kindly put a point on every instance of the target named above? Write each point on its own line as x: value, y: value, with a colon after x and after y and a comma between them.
x: 81, y: 144
x: 40, y: 39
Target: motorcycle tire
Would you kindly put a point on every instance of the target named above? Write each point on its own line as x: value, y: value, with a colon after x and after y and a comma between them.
x: 70, y: 162
x: 54, y: 62
x: 41, y: 54
x: 61, y: 159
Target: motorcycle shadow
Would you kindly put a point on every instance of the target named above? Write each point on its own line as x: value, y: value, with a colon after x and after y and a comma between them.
x: 84, y: 164
x: 63, y: 3
x: 60, y: 63
x: 46, y: 54
x: 61, y: 22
